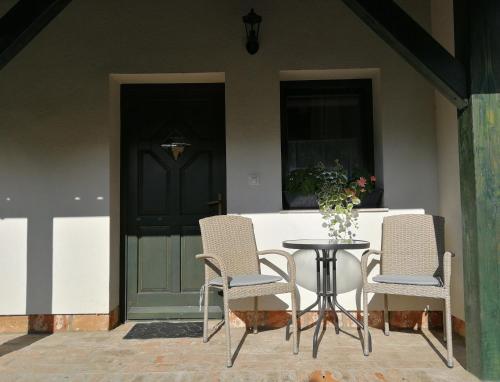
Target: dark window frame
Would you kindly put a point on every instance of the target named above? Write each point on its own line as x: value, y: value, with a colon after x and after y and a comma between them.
x: 362, y: 87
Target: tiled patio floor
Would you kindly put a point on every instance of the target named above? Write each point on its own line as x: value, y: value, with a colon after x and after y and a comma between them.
x: 106, y: 356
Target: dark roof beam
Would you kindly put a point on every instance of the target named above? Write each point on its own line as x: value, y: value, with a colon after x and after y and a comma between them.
x: 23, y: 22
x: 415, y: 45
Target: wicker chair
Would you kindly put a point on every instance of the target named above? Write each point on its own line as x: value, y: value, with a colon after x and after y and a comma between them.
x: 413, y: 263
x: 232, y: 265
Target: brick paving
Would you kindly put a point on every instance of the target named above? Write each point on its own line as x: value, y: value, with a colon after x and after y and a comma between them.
x: 106, y: 356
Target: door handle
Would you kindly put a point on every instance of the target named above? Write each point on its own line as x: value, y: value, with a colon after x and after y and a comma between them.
x: 218, y: 203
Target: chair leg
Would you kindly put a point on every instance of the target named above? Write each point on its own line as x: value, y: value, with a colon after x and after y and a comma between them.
x: 294, y: 323
x: 255, y: 315
x: 205, y: 315
x: 386, y: 314
x: 444, y: 320
x: 228, y: 332
x: 366, y: 334
x: 449, y: 342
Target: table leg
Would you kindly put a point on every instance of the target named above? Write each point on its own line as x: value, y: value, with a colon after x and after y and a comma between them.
x: 334, y: 289
x: 301, y: 313
x: 319, y: 323
x: 326, y: 290
x: 359, y: 323
x: 334, y: 297
x: 342, y: 309
x: 309, y: 308
x: 318, y: 282
x: 322, y: 296
x: 318, y: 273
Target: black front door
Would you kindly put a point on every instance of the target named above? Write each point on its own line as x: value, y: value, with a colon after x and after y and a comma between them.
x: 173, y: 156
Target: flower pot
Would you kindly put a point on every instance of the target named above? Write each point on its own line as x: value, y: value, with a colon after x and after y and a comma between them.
x: 372, y: 200
x: 298, y: 201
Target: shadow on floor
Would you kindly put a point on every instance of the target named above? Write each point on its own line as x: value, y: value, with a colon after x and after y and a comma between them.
x: 20, y: 342
x: 238, y: 348
x: 458, y: 343
x: 458, y: 346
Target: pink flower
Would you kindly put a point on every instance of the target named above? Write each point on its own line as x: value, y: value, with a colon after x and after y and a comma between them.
x: 361, y: 182
x: 373, y: 178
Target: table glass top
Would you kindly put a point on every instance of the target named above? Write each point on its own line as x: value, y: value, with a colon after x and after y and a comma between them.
x: 326, y: 243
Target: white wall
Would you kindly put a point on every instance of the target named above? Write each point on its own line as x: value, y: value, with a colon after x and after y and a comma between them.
x: 271, y: 229
x: 13, y: 250
x: 80, y: 265
x: 58, y: 139
x: 447, y: 159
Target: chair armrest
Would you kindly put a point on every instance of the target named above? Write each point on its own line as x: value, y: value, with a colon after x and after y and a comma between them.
x: 213, y: 258
x: 447, y: 268
x: 289, y: 258
x: 364, y: 262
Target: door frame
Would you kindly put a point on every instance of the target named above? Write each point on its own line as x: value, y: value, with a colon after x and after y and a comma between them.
x: 118, y: 184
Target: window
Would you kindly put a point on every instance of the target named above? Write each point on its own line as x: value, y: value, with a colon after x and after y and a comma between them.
x: 326, y: 120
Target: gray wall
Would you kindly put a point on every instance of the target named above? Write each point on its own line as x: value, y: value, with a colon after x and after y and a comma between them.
x: 55, y: 130
x: 448, y: 164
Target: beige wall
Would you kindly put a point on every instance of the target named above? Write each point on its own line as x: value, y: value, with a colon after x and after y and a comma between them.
x: 58, y: 139
x: 447, y: 155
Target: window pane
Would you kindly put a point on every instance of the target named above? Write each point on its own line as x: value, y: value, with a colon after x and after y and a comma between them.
x: 327, y: 120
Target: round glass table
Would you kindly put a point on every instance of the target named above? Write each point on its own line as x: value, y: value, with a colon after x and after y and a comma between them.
x: 326, y: 278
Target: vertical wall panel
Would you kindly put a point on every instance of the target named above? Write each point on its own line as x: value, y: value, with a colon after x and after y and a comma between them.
x: 13, y: 254
x: 80, y: 265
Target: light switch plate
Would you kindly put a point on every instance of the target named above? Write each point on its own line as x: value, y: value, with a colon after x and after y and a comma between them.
x: 253, y: 180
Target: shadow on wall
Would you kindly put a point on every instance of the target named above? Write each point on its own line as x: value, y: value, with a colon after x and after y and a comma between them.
x: 277, y: 318
x: 27, y: 229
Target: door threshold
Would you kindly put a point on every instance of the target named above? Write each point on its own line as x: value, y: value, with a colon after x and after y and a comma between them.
x: 172, y: 313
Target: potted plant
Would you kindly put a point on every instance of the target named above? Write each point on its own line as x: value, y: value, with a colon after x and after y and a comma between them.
x: 302, y: 187
x: 333, y: 192
x: 370, y: 194
x: 336, y: 198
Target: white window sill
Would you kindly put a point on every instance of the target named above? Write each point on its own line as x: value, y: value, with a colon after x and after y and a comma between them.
x: 317, y: 211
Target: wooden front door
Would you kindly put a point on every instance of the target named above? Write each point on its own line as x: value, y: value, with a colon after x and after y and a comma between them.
x: 173, y: 160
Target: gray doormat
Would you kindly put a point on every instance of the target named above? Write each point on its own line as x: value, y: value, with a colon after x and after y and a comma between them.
x: 144, y: 331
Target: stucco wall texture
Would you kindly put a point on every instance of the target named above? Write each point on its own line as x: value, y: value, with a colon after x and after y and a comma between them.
x: 59, y: 128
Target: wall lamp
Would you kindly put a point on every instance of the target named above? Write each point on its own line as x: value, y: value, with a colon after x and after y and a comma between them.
x: 252, y: 25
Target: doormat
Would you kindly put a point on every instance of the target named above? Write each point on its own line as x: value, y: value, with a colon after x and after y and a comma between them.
x: 145, y: 331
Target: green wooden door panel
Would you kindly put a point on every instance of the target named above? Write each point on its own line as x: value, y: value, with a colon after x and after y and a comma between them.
x: 192, y: 271
x: 166, y: 196
x: 155, y: 262
x: 131, y: 245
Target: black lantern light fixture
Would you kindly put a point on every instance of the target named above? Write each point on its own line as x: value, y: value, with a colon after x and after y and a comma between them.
x: 252, y: 25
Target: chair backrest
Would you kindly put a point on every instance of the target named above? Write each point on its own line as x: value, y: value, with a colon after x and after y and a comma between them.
x: 232, y: 238
x: 413, y: 245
